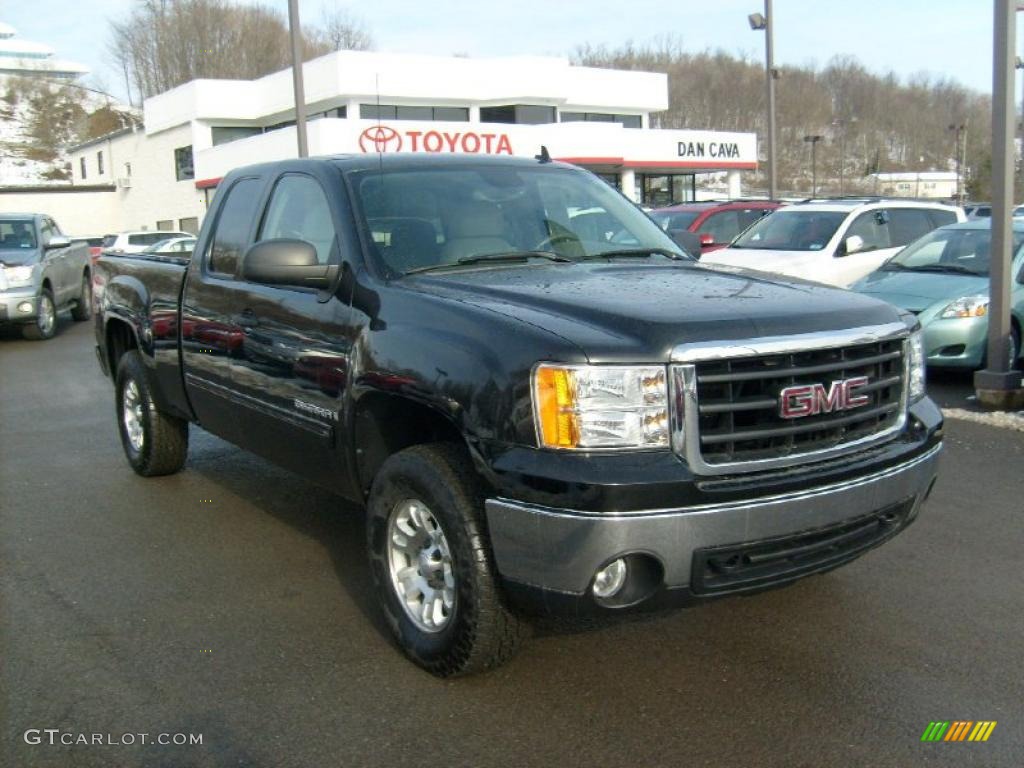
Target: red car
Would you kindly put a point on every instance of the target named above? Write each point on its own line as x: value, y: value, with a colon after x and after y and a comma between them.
x: 715, y: 223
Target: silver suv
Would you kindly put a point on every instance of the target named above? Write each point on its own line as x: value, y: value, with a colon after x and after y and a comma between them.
x: 41, y: 272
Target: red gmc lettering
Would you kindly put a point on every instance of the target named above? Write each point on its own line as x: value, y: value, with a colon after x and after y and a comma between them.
x: 812, y: 399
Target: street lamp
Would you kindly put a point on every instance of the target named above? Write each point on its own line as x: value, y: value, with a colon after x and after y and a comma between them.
x: 814, y: 162
x: 998, y: 386
x: 959, y: 130
x: 295, y: 31
x: 764, y: 22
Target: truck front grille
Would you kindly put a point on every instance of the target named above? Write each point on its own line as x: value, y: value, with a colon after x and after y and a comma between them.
x: 734, y: 419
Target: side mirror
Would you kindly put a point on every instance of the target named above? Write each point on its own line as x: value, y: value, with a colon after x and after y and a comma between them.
x: 853, y: 244
x: 286, y: 262
x: 707, y: 238
x: 58, y: 241
x: 686, y: 240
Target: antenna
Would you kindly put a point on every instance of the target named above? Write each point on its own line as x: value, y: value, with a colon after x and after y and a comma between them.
x: 543, y: 157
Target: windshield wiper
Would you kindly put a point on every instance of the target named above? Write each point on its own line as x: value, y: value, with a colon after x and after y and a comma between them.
x: 635, y: 253
x: 503, y: 256
x: 955, y: 269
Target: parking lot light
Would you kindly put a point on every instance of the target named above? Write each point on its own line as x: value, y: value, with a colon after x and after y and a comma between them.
x: 757, y: 23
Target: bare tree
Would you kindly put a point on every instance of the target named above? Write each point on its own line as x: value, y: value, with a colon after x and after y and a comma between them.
x: 342, y: 30
x: 161, y: 44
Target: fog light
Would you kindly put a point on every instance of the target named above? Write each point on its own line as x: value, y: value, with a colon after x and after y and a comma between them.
x: 609, y: 580
x: 25, y: 307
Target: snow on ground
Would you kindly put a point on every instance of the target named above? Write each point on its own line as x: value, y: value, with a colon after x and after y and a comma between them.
x: 1001, y: 419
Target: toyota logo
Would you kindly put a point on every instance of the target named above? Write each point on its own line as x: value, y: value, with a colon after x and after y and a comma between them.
x: 380, y: 138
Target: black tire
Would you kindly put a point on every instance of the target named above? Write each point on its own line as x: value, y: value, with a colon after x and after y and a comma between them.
x: 45, y: 325
x: 481, y: 633
x: 82, y: 311
x: 164, y: 439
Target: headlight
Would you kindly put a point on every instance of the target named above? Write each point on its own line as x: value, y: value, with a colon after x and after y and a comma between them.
x: 969, y: 306
x: 18, y: 276
x: 915, y: 365
x: 586, y: 406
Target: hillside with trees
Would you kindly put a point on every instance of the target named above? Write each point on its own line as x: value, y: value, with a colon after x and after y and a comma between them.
x: 870, y: 122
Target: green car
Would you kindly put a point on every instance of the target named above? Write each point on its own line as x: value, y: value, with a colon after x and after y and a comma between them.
x: 943, y: 279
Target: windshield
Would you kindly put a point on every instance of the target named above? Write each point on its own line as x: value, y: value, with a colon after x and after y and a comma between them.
x: 428, y: 218
x: 17, y: 234
x: 792, y: 230
x: 950, y: 250
x: 669, y: 220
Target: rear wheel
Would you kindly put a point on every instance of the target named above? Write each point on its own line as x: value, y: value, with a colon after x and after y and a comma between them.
x: 154, y: 443
x: 83, y: 309
x: 45, y: 324
x: 432, y: 565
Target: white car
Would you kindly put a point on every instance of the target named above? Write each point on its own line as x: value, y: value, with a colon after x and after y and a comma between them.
x: 137, y: 242
x: 832, y: 241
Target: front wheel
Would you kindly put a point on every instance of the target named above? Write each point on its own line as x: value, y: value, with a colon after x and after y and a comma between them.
x: 45, y: 324
x: 155, y: 443
x: 432, y: 565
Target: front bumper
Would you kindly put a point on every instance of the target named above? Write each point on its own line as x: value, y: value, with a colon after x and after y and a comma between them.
x: 955, y: 342
x: 549, y: 556
x: 18, y: 306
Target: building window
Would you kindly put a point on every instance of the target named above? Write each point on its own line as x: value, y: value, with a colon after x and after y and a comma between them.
x: 627, y: 121
x: 189, y: 224
x: 275, y: 126
x: 393, y: 112
x: 183, y: 163
x: 339, y: 112
x: 99, y: 163
x: 222, y: 134
x: 524, y: 114
x: 165, y: 225
x: 81, y: 165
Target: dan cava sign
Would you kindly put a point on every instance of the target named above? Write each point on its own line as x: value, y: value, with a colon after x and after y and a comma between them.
x: 385, y: 138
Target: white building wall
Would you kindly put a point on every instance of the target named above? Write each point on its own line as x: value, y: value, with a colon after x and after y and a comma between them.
x: 153, y: 194
x: 78, y: 214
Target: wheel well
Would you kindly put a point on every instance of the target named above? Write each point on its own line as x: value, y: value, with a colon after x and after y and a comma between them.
x: 47, y: 285
x: 120, y: 339
x: 386, y: 424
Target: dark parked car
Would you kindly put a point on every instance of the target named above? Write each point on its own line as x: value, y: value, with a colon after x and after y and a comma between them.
x: 716, y: 224
x: 535, y: 417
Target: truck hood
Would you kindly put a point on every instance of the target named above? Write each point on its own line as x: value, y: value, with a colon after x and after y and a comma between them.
x: 630, y: 312
x: 918, y: 290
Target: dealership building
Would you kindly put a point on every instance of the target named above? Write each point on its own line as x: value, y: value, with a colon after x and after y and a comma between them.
x: 164, y: 174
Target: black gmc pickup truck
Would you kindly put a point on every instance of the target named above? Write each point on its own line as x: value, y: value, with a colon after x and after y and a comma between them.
x: 540, y: 400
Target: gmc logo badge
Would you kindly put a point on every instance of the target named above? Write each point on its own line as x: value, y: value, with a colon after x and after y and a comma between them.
x: 812, y: 399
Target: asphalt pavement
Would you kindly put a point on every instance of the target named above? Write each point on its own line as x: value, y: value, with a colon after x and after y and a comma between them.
x: 233, y: 601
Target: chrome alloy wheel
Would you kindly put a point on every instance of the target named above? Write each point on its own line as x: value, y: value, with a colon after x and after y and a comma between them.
x: 420, y: 563
x: 47, y: 314
x: 131, y: 414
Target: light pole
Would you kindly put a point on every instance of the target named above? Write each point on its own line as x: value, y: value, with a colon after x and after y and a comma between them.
x: 813, y: 140
x: 998, y: 386
x: 764, y: 22
x: 295, y: 30
x: 958, y: 130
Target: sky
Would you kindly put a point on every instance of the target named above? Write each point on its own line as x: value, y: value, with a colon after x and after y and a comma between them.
x: 951, y: 38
